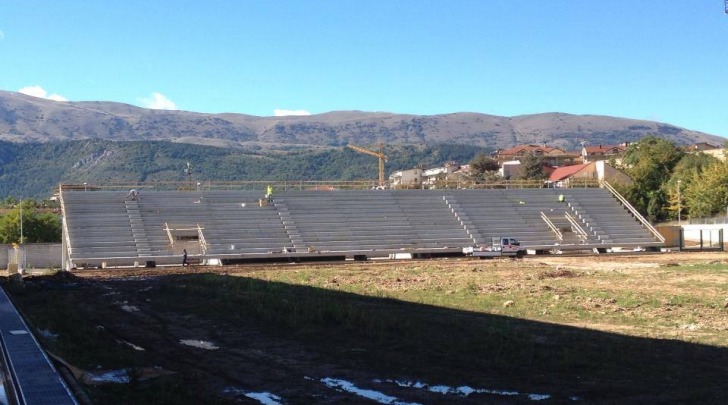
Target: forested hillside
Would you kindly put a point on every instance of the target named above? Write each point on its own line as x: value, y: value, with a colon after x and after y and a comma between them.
x: 34, y: 169
x: 45, y: 142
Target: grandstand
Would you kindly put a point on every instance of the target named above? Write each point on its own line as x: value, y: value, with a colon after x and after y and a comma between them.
x: 107, y: 228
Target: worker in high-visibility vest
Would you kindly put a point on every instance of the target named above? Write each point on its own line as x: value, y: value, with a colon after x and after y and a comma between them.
x: 269, y: 192
x: 562, y: 198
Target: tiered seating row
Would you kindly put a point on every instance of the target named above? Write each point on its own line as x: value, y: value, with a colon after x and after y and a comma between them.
x: 370, y: 220
x: 98, y: 225
x: 232, y: 222
x: 505, y: 212
x: 606, y: 218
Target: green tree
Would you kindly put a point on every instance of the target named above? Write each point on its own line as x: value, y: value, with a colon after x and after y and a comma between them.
x: 38, y: 227
x: 687, y: 170
x: 9, y: 201
x: 650, y: 163
x: 482, y: 165
x: 706, y: 192
x: 532, y: 168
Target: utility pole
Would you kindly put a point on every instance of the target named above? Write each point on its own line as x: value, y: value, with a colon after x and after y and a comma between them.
x: 679, y: 208
x: 21, y: 221
x: 188, y: 172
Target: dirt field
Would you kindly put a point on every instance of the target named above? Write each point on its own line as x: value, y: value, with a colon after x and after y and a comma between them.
x: 548, y: 329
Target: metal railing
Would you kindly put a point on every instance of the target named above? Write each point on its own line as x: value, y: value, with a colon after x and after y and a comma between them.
x: 285, y: 185
x: 553, y: 227
x: 709, y: 221
x: 66, y: 248
x: 278, y: 185
x: 580, y: 232
x: 634, y: 211
x: 201, y: 237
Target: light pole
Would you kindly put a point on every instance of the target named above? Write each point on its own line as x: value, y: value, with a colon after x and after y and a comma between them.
x: 188, y: 172
x: 21, y: 221
x: 679, y: 208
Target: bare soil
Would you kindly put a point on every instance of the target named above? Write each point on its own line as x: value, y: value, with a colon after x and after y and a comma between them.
x: 532, y: 361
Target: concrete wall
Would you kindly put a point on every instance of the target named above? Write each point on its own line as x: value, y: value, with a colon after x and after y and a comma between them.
x: 671, y: 233
x: 37, y: 255
x: 610, y: 174
x: 693, y: 235
x: 706, y: 235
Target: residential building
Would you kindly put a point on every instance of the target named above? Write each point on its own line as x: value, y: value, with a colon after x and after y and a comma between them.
x: 551, y: 156
x: 707, y: 148
x: 598, y: 170
x: 412, y: 178
x: 602, y: 152
x: 431, y: 176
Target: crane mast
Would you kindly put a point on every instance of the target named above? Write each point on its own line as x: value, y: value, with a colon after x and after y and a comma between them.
x: 379, y: 154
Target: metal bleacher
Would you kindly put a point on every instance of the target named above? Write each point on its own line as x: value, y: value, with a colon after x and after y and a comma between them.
x: 607, y: 221
x: 231, y: 222
x: 106, y: 228
x: 511, y: 212
x: 366, y: 220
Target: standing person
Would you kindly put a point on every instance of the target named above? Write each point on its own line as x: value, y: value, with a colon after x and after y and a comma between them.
x: 184, y: 258
x: 269, y: 193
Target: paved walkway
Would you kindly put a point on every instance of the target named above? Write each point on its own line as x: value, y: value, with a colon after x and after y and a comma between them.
x: 33, y: 377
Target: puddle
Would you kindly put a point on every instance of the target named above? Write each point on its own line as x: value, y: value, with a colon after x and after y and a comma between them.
x: 112, y: 376
x: 19, y: 332
x: 130, y: 308
x: 265, y: 398
x: 538, y: 397
x: 464, y: 390
x: 132, y: 345
x: 200, y: 344
x: 369, y: 394
x: 48, y: 334
x: 122, y: 376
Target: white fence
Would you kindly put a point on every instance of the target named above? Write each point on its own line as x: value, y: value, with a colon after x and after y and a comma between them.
x: 702, y: 237
x: 32, y: 256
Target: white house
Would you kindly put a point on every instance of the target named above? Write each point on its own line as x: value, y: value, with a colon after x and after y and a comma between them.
x: 412, y: 178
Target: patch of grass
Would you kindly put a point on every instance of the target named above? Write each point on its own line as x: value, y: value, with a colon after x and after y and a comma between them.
x: 557, y: 273
x: 555, y: 294
x: 459, y: 321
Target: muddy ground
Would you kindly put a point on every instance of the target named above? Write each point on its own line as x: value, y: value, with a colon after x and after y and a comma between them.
x: 258, y: 361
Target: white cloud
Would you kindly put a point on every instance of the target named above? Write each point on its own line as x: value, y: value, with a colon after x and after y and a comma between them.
x: 2, y: 35
x: 37, y: 91
x: 158, y: 101
x: 283, y: 113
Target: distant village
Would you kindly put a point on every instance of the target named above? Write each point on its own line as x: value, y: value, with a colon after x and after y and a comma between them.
x: 591, y: 163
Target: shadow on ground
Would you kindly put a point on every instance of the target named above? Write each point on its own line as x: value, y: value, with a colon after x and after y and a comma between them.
x: 287, y: 339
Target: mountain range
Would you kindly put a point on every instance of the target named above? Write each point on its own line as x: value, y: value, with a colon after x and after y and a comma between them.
x: 29, y: 119
x: 44, y: 143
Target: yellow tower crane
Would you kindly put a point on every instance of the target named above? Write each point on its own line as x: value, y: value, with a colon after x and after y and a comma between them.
x: 382, y: 158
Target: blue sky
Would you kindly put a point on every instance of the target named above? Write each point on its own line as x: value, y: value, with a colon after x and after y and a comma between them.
x: 645, y: 59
